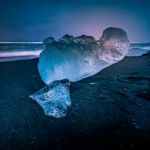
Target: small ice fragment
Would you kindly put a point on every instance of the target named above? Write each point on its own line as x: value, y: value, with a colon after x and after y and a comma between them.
x: 92, y: 83
x: 54, y: 99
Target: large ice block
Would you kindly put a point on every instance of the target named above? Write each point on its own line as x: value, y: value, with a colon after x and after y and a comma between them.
x: 75, y: 58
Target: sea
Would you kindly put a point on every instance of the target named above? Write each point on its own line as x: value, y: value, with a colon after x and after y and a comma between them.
x: 12, y: 51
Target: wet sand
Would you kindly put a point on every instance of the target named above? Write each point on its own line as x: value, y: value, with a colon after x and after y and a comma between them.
x: 110, y: 110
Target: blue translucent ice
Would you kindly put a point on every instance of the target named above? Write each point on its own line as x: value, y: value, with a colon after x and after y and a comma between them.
x: 54, y: 99
x: 75, y: 58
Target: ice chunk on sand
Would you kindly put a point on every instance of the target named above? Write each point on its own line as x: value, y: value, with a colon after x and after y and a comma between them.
x: 54, y: 99
x: 75, y: 58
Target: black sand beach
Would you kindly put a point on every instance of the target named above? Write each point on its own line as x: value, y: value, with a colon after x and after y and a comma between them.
x: 110, y: 110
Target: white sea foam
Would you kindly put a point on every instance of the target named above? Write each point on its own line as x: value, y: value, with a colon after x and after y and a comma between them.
x: 19, y: 53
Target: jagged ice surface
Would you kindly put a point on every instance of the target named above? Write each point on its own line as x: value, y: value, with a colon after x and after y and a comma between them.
x: 54, y: 99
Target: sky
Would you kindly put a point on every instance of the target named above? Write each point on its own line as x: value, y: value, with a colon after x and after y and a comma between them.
x: 34, y: 20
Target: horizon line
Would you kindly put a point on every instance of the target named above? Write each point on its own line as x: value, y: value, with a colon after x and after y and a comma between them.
x: 38, y: 42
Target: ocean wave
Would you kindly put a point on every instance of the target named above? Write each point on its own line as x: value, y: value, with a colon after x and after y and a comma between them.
x: 137, y: 51
x: 18, y: 55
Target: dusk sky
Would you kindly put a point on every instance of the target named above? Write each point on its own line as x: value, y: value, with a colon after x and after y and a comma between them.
x: 34, y: 20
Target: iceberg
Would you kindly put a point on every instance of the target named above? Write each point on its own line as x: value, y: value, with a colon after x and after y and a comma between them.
x: 74, y: 58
